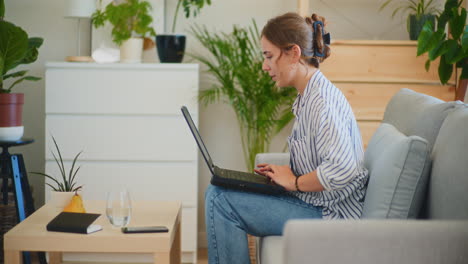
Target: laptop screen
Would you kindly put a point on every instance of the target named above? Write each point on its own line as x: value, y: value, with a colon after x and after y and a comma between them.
x: 198, y: 138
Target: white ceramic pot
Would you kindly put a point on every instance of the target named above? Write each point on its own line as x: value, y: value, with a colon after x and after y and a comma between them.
x: 11, y: 133
x: 131, y: 50
x: 60, y: 199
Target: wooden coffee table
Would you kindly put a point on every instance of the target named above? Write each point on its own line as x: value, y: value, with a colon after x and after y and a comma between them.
x: 31, y: 234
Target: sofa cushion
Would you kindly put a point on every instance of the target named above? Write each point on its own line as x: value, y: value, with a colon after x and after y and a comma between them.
x: 448, y: 184
x: 398, y: 167
x: 417, y: 114
x: 271, y: 250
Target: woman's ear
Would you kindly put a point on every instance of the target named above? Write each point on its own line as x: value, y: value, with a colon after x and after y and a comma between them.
x: 296, y: 52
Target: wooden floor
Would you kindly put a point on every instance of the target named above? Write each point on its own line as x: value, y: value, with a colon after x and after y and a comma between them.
x: 202, y: 256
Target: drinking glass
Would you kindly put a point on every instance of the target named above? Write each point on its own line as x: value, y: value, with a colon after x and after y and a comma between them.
x: 119, y: 208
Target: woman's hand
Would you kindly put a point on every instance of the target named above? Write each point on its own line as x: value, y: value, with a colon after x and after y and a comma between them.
x: 280, y: 174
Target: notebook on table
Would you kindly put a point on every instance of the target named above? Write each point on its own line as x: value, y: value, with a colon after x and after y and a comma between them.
x: 231, y: 178
x: 74, y: 223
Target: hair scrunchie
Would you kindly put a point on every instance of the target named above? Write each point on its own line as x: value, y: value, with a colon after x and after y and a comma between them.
x: 325, y: 37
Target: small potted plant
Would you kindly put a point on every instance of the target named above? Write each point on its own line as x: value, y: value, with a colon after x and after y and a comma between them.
x: 65, y: 186
x: 171, y: 47
x: 16, y: 48
x: 450, y: 48
x: 131, y: 22
x: 418, y: 12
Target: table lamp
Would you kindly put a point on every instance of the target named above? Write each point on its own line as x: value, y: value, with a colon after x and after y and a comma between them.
x: 79, y: 9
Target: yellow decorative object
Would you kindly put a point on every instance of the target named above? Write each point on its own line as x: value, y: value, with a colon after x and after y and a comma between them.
x: 75, y: 205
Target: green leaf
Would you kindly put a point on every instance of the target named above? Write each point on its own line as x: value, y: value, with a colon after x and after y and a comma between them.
x: 47, y: 176
x: 32, y: 52
x: 27, y: 78
x: 2, y: 9
x: 190, y: 7
x: 425, y: 37
x: 15, y: 74
x: 427, y: 65
x: 447, y: 13
x: 445, y: 70
x: 59, y: 161
x: 459, y: 55
x: 2, y: 61
x: 464, y: 40
x: 457, y: 23
x: 438, y: 50
x: 384, y: 4
x: 70, y: 174
x: 452, y: 50
x: 32, y: 78
x: 13, y: 45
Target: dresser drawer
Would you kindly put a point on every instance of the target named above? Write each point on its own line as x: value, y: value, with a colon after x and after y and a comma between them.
x: 139, y: 90
x: 144, y: 180
x: 122, y: 138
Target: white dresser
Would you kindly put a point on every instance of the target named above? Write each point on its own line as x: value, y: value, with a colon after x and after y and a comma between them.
x: 126, y: 119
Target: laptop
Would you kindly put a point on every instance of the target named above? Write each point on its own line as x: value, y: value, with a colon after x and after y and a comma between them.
x: 230, y: 178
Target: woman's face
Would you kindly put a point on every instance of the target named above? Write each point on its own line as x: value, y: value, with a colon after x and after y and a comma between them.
x: 279, y: 65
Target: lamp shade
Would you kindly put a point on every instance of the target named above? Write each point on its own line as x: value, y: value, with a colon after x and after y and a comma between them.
x: 79, y: 8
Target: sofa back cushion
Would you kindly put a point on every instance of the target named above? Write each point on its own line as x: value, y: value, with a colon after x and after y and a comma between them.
x: 398, y: 167
x: 417, y: 114
x: 448, y: 184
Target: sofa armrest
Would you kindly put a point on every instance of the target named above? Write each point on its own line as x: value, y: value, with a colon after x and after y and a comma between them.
x: 272, y: 158
x: 375, y: 241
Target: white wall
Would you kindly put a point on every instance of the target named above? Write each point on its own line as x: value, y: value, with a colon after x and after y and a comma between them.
x: 356, y: 19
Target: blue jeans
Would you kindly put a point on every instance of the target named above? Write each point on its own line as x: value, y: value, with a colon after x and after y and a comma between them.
x: 230, y: 215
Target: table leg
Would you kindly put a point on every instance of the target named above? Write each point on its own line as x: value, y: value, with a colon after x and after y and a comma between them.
x: 176, y: 247
x: 55, y: 257
x: 12, y: 257
x: 174, y: 255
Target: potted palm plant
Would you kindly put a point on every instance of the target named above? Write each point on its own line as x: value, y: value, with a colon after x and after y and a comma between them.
x: 131, y: 22
x: 262, y: 109
x: 16, y: 48
x: 452, y: 49
x: 64, y: 187
x: 417, y: 11
x: 171, y: 47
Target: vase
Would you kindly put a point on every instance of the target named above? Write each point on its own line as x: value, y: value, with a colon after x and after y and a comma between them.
x: 60, y: 199
x: 416, y: 24
x: 131, y: 50
x: 171, y: 47
x: 11, y: 116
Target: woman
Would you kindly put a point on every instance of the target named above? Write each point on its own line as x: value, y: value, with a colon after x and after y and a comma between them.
x: 326, y: 177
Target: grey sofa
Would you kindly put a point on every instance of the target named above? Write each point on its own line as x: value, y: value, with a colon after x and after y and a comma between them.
x: 416, y: 205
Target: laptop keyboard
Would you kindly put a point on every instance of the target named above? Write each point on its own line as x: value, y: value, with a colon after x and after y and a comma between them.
x: 242, y: 176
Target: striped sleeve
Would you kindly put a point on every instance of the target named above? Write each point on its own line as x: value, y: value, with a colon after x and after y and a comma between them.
x: 335, y: 147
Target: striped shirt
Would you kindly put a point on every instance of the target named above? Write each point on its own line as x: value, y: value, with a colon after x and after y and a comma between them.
x: 325, y: 138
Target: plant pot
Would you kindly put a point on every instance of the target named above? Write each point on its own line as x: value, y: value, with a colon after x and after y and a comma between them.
x: 60, y: 199
x: 461, y: 90
x: 171, y: 47
x: 131, y: 50
x: 11, y: 116
x: 416, y: 23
